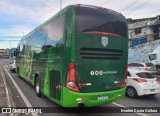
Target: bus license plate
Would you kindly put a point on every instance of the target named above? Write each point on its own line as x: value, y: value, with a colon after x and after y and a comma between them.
x: 102, y: 97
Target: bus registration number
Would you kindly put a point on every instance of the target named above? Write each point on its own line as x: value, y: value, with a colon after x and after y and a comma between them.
x: 102, y: 97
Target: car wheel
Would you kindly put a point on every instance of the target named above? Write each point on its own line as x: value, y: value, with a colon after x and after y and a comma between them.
x: 12, y: 71
x: 38, y: 87
x: 131, y: 92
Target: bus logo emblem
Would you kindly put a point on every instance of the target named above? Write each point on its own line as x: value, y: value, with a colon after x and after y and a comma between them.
x: 104, y: 41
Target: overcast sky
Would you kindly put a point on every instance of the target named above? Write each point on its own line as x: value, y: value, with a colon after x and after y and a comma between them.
x: 18, y: 17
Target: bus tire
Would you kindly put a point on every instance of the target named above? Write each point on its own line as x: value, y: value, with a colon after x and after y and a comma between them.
x: 131, y: 92
x: 38, y: 86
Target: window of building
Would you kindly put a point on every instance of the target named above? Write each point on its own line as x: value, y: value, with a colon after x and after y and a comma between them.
x: 137, y: 30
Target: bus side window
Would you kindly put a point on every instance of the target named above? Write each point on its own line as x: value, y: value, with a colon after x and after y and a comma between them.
x: 55, y: 30
x: 20, y: 49
x: 39, y: 40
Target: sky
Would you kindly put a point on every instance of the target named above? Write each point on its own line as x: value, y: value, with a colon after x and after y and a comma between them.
x: 19, y: 17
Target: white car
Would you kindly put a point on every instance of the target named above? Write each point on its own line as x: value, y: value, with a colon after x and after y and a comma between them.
x: 142, y: 66
x: 13, y: 66
x: 141, y: 83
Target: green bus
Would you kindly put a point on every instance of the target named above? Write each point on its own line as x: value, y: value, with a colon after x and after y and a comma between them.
x: 78, y: 57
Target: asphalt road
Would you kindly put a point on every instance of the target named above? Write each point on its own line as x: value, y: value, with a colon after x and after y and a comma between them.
x: 31, y: 100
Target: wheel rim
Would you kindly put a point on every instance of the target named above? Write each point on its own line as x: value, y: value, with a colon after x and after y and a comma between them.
x: 37, y: 87
x: 130, y: 92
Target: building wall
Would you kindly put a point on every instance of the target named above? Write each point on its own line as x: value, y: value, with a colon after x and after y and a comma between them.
x: 141, y: 53
x: 139, y: 28
x: 145, y: 31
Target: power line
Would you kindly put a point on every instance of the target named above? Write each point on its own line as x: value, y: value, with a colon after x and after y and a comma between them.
x: 138, y: 7
x: 129, y: 6
x: 60, y: 4
x: 104, y: 2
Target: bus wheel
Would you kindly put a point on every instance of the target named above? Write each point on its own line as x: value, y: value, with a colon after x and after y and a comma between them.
x: 131, y: 92
x: 38, y: 87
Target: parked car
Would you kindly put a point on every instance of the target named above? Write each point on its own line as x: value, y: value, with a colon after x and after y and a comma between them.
x: 141, y: 83
x: 155, y: 57
x: 13, y: 66
x: 143, y: 66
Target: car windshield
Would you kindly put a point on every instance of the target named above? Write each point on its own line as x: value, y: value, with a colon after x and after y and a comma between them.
x: 152, y: 56
x: 145, y: 75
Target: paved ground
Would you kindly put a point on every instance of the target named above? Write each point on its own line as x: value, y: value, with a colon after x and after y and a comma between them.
x: 3, y: 96
x: 17, y: 98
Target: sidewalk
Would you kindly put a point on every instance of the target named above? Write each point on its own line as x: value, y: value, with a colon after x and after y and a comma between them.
x: 3, y: 96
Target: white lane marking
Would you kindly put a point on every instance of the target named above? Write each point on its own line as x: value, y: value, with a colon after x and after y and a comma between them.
x: 141, y: 114
x: 7, y: 93
x: 20, y: 92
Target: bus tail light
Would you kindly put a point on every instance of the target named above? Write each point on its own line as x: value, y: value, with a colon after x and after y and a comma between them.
x: 139, y: 80
x: 78, y: 5
x: 121, y: 14
x: 125, y: 77
x: 71, y: 78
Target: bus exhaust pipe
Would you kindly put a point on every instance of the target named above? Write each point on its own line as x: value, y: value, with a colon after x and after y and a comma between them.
x: 81, y: 104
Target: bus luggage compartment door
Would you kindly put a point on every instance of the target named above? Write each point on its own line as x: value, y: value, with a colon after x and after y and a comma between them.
x: 55, y: 82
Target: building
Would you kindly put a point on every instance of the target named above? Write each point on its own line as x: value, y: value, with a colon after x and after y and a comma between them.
x: 4, y: 53
x: 1, y: 53
x: 143, y: 30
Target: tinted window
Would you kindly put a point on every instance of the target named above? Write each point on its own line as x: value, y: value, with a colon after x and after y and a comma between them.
x: 131, y: 64
x: 138, y: 65
x: 55, y: 30
x: 149, y: 64
x: 39, y: 39
x: 21, y: 47
x: 135, y: 65
x: 128, y: 74
x: 90, y: 19
x: 145, y: 75
x: 152, y: 57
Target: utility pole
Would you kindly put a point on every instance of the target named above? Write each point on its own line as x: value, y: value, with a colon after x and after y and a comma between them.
x: 23, y: 34
x: 60, y: 4
x: 10, y: 51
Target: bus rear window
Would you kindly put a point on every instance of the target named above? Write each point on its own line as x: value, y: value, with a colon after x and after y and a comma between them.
x: 90, y: 19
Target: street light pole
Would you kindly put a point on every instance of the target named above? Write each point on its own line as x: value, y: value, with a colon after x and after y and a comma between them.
x: 10, y: 50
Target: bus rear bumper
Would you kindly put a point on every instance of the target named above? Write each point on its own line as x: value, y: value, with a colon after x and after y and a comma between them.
x: 74, y: 99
